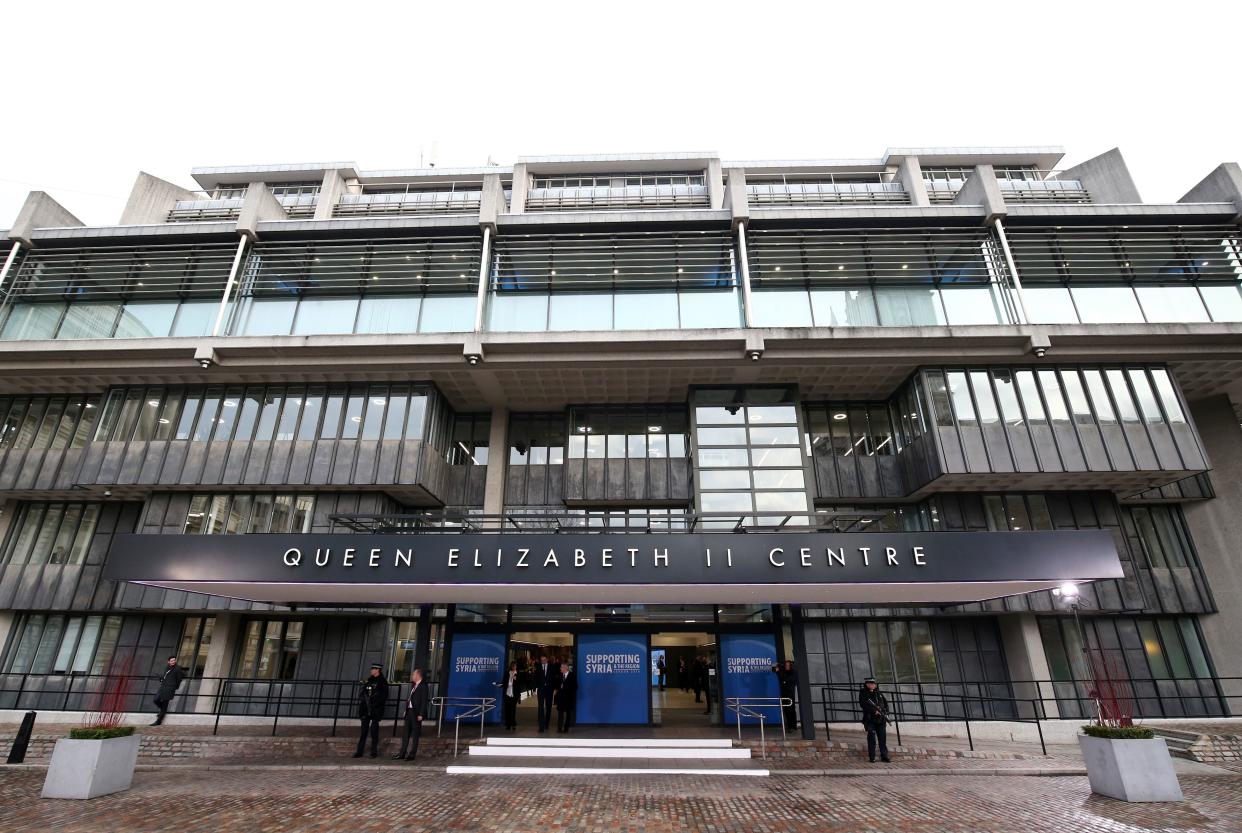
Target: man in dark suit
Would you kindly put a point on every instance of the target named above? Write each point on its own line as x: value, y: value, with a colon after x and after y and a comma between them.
x: 547, y: 680
x: 170, y: 681
x: 372, y: 697
x: 415, y: 712
x: 566, y: 699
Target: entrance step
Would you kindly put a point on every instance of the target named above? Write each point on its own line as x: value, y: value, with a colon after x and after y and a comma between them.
x: 648, y: 743
x: 607, y: 756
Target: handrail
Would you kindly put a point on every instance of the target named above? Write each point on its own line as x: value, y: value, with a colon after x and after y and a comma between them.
x: 472, y: 706
x: 748, y: 707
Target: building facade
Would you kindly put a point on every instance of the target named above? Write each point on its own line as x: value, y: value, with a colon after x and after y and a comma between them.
x: 310, y: 417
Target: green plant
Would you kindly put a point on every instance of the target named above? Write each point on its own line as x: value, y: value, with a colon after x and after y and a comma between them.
x: 1098, y: 730
x: 89, y: 733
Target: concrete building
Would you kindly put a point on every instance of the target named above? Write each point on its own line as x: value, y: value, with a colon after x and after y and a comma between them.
x: 869, y: 415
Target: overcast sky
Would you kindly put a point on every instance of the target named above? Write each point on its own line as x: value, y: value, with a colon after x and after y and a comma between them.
x: 98, y: 91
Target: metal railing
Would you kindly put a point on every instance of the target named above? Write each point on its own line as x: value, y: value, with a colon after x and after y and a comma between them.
x: 824, y: 189
x: 628, y: 196
x: 197, y: 211
x: 468, y: 709
x: 752, y: 707
x: 448, y: 201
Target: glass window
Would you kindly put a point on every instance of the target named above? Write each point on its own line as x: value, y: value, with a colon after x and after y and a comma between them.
x: 449, y: 314
x: 311, y: 411
x: 972, y: 305
x: 781, y: 308
x: 207, y: 416
x: 1223, y: 302
x: 373, y: 419
x: 195, y: 318
x: 1168, y: 395
x: 774, y: 435
x: 268, y: 316
x: 645, y: 311
x: 580, y: 311
x: 1049, y: 305
x: 89, y: 320
x: 713, y: 309
x: 843, y: 308
x: 1171, y: 303
x: 330, y: 428
x: 765, y: 457
x: 28, y: 322
x: 517, y: 312
x: 1107, y: 305
x: 325, y: 315
x: 146, y: 319
x: 414, y: 424
x: 722, y: 436
x: 726, y: 502
x: 908, y: 306
x: 388, y: 315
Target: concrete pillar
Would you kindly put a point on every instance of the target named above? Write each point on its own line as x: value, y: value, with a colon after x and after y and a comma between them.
x: 1216, y: 528
x: 491, y: 201
x: 735, y: 198
x: 715, y: 184
x: 226, y: 636
x: 497, y: 459
x: 40, y: 211
x: 330, y: 190
x: 517, y: 194
x: 1026, y: 661
x: 259, y: 206
x: 7, y: 619
x: 1222, y: 185
x: 1106, y: 178
x: 910, y: 174
x: 982, y: 189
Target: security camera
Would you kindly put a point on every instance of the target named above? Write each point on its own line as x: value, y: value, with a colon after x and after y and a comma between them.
x: 1040, y: 352
x: 107, y: 493
x: 473, y: 359
x: 205, y: 364
x: 754, y: 355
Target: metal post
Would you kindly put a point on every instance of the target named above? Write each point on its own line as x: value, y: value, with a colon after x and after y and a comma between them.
x: 221, y: 696
x: 745, y: 273
x: 336, y: 709
x: 481, y: 302
x: 1013, y: 271
x: 228, y: 287
x: 280, y: 692
x: 9, y: 261
x: 1039, y: 727
x: 966, y: 716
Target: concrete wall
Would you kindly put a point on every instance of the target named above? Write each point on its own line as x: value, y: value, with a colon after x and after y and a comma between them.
x: 1106, y: 177
x: 1224, y: 184
x: 1216, y: 529
x: 151, y: 199
x: 910, y: 173
x: 982, y: 189
x: 40, y: 211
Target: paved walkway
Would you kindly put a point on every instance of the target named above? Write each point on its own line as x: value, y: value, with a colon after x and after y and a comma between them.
x: 380, y: 801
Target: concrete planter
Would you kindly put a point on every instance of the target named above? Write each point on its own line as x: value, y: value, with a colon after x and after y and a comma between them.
x: 88, y: 768
x: 1130, y: 770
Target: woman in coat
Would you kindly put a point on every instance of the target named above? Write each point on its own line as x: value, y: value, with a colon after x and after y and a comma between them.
x: 511, y: 686
x: 566, y: 699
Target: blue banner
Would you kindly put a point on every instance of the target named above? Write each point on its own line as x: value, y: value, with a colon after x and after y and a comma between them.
x: 746, y: 667
x: 476, y: 663
x: 613, y: 684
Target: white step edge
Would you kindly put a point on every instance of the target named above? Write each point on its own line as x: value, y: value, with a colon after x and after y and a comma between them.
x: 604, y: 752
x: 588, y: 770
x: 688, y: 743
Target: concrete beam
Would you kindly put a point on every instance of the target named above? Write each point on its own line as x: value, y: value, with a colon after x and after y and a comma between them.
x: 910, y: 173
x: 40, y: 211
x: 735, y: 198
x: 225, y: 637
x: 715, y: 184
x: 982, y: 189
x: 521, y: 183
x: 497, y: 458
x: 1026, y: 660
x: 258, y: 207
x: 330, y: 190
x: 1224, y: 184
x: 492, y: 201
x: 1216, y: 527
x: 151, y: 199
x: 1106, y: 177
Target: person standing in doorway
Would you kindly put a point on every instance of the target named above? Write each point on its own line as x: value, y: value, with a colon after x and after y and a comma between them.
x: 696, y: 677
x: 512, y: 686
x: 683, y: 676
x: 372, y: 697
x: 705, y: 683
x: 415, y: 713
x: 547, y: 680
x: 662, y: 672
x: 787, y: 678
x: 566, y: 699
x: 874, y: 707
x: 170, y: 681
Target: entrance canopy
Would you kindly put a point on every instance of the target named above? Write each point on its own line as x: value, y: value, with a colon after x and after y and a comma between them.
x: 617, y: 568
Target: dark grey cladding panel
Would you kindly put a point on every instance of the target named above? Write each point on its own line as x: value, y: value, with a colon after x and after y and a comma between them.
x: 235, y: 464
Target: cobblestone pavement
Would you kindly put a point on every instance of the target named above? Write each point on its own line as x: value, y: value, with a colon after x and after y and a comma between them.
x: 385, y: 801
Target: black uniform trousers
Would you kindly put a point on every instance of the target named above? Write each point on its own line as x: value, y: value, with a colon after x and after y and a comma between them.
x: 876, y: 731
x: 409, y: 740
x: 372, y: 725
x: 510, y: 712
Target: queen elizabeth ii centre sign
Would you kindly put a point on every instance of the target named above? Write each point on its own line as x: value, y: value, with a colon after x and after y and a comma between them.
x: 773, y: 567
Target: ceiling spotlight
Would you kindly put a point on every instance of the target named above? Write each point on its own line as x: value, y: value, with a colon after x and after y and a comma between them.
x: 1068, y: 590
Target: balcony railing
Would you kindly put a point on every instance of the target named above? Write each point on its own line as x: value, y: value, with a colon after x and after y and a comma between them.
x: 299, y: 206
x: 811, y: 190
x: 448, y: 201
x: 202, y: 211
x: 1044, y: 190
x: 535, y: 521
x: 606, y: 198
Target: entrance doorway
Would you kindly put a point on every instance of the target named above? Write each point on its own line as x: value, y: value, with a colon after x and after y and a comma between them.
x: 687, y: 695
x: 525, y: 648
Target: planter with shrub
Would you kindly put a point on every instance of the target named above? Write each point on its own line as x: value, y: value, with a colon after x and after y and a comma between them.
x: 1128, y: 763
x: 99, y: 758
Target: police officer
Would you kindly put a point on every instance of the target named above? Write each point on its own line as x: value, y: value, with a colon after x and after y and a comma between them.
x: 372, y: 697
x: 787, y: 679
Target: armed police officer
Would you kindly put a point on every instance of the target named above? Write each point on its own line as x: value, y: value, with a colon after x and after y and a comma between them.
x: 372, y: 697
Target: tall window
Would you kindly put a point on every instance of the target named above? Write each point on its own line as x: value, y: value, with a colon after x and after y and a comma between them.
x: 628, y: 432
x: 270, y: 649
x: 51, y: 533
x: 235, y: 514
x: 55, y: 644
